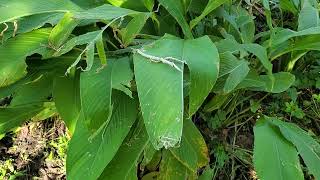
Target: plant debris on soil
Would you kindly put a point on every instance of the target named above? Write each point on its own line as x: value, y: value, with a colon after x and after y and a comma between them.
x: 36, y: 151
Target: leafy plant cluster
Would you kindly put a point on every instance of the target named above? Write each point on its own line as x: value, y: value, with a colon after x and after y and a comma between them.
x: 130, y: 78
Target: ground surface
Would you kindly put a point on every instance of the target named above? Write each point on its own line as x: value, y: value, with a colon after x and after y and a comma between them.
x: 36, y: 151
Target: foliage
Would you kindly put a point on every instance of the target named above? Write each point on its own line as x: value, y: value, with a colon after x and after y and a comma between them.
x: 130, y: 78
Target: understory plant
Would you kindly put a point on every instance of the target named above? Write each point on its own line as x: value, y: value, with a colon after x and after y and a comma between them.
x: 129, y: 77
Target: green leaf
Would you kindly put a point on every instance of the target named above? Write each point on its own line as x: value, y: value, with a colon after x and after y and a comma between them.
x: 308, y: 148
x: 62, y: 30
x: 193, y: 151
x: 160, y: 90
x: 11, y: 117
x: 14, y: 52
x: 282, y: 82
x: 14, y: 9
x: 101, y: 51
x: 171, y: 169
x: 261, y: 53
x: 176, y: 9
x: 66, y: 95
x: 308, y: 16
x: 88, y: 153
x: 104, y: 12
x: 35, y: 92
x: 274, y: 157
x: 161, y: 94
x: 29, y: 23
x: 202, y: 58
x: 237, y: 71
x: 122, y: 75
x: 124, y: 164
x: 216, y: 102
x: 212, y: 5
x: 134, y: 27
x: 78, y: 40
x: 139, y: 5
x: 95, y: 95
x: 149, y: 4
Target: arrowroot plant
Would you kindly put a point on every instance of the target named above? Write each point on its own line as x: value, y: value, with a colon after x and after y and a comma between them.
x: 129, y: 76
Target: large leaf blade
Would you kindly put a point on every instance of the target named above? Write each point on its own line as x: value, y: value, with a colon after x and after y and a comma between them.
x: 89, y: 153
x: 283, y: 162
x: 160, y: 90
x: 308, y: 148
x: 14, y: 52
x: 176, y: 9
x: 14, y: 9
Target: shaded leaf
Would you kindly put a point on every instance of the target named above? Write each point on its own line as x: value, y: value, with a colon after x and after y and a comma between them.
x: 11, y: 117
x: 212, y: 5
x: 66, y: 95
x: 14, y: 9
x: 14, y: 52
x: 124, y: 164
x: 283, y: 161
x: 88, y: 153
x: 308, y: 16
x: 176, y: 9
x: 308, y: 148
x: 193, y: 151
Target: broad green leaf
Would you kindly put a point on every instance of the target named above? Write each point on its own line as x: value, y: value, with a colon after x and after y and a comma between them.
x: 165, y: 84
x: 66, y: 96
x: 306, y: 43
x: 308, y: 16
x: 11, y: 117
x: 104, y: 12
x: 124, y: 164
x: 95, y: 96
x: 88, y: 153
x: 282, y: 82
x: 62, y: 30
x: 193, y: 151
x: 242, y: 26
x: 87, y: 4
x: 274, y: 157
x: 261, y: 53
x: 14, y: 9
x: 202, y: 58
x: 252, y: 81
x: 212, y: 5
x: 160, y: 90
x: 236, y: 76
x: 96, y: 87
x: 35, y: 92
x: 14, y: 51
x: 288, y: 5
x: 134, y: 27
x: 308, y: 148
x: 237, y: 71
x: 139, y: 5
x: 232, y: 46
x: 176, y: 9
x: 78, y: 40
x: 171, y: 169
x: 216, y: 102
x: 122, y: 75
x: 29, y: 23
x: 282, y: 35
x: 149, y: 4
x: 49, y: 110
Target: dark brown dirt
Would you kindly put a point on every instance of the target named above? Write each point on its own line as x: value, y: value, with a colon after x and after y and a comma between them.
x: 29, y: 149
